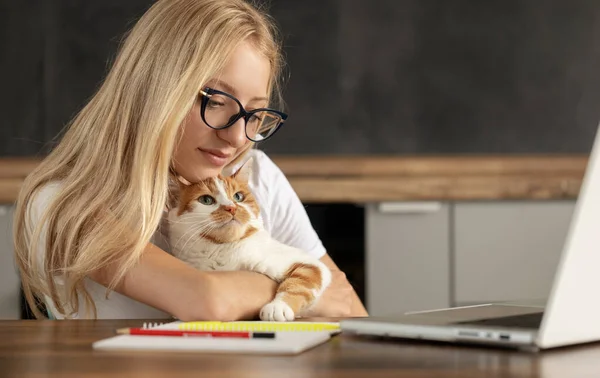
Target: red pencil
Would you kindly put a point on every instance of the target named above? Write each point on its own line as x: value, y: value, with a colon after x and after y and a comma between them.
x: 171, y: 332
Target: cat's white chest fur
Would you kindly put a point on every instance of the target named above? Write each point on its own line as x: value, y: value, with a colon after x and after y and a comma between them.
x: 258, y: 252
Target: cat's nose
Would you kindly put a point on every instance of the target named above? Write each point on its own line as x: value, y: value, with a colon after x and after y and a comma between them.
x: 229, y: 209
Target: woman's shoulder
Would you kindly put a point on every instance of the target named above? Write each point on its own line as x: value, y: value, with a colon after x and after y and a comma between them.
x: 265, y: 176
x: 49, y: 189
x: 264, y: 170
x: 43, y: 195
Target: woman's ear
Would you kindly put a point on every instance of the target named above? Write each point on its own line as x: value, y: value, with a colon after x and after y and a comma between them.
x: 183, y: 182
x: 245, y: 171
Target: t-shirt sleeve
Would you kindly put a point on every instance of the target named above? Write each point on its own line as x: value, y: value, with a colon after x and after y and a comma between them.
x: 288, y: 221
x: 35, y: 210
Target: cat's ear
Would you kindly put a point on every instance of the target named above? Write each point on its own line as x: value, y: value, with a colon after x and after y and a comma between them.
x: 176, y: 187
x: 245, y: 171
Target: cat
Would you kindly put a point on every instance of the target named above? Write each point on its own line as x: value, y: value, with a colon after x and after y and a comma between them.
x: 216, y: 225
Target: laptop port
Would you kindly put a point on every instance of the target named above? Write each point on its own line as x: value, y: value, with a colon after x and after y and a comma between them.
x: 504, y: 336
x: 468, y: 333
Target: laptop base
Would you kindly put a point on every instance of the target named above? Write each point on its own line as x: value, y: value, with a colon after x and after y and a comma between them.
x: 459, y: 324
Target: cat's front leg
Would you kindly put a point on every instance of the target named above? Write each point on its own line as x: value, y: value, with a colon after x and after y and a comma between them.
x: 300, y: 287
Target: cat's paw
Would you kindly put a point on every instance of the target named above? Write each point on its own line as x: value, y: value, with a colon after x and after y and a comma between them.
x: 277, y: 310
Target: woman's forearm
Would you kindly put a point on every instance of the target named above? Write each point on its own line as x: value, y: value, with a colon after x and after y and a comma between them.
x: 358, y: 309
x: 167, y: 283
x: 238, y: 295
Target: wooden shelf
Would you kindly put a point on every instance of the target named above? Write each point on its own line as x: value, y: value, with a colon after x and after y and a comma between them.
x: 356, y: 179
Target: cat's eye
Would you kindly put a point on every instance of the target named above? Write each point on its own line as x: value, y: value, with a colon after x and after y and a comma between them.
x: 206, y: 200
x: 238, y: 197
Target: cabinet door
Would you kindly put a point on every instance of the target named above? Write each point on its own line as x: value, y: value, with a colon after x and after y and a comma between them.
x: 10, y: 285
x: 407, y: 257
x: 508, y: 250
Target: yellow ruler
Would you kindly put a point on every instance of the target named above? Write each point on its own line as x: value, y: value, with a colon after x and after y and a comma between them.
x: 259, y: 326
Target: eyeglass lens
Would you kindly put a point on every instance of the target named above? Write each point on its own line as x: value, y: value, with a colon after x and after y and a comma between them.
x: 221, y: 110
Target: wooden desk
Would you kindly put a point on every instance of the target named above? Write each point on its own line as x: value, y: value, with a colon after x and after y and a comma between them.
x: 30, y: 348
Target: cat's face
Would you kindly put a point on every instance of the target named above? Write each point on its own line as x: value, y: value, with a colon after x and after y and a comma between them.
x: 220, y: 209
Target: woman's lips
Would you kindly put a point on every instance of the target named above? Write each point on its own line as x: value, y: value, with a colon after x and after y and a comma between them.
x: 215, y: 157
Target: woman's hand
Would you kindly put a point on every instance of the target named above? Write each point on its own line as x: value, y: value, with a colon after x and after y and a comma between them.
x: 336, y: 300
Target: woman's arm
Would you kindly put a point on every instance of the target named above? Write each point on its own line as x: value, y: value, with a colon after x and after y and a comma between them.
x: 356, y: 306
x: 291, y: 225
x: 167, y: 283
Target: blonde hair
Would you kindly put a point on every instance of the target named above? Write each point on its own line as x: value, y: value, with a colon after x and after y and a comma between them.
x: 113, y: 161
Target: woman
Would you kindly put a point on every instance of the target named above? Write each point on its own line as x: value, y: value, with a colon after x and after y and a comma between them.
x: 100, y: 196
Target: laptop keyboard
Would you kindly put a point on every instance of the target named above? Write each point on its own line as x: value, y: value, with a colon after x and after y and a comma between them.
x: 516, y: 321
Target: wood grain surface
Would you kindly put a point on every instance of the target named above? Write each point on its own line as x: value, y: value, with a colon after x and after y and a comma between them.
x: 356, y: 179
x: 30, y: 348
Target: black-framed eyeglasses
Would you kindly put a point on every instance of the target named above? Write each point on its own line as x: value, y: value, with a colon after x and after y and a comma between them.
x: 220, y: 110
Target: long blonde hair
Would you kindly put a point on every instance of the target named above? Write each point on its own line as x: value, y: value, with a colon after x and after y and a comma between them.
x: 113, y: 161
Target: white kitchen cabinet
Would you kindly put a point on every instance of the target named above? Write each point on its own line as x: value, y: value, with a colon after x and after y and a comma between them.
x: 507, y: 250
x: 10, y: 286
x: 407, y: 257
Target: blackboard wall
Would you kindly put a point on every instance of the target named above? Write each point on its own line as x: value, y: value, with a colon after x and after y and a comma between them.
x: 365, y: 77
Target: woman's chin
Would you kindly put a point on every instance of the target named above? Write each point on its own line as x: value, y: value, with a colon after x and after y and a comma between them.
x: 206, y: 174
x: 204, y: 171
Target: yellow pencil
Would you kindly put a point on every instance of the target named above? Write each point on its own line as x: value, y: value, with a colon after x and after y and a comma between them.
x: 259, y: 326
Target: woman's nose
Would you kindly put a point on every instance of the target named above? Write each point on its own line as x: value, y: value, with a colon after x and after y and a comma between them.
x: 235, y: 134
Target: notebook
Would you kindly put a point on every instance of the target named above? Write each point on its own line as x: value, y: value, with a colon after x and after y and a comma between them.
x: 291, y: 338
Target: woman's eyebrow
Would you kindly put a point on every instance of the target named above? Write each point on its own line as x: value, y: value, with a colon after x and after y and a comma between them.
x: 229, y: 89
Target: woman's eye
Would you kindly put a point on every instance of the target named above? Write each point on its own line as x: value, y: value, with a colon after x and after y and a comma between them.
x: 206, y: 200
x: 255, y: 118
x: 238, y: 197
x: 214, y: 104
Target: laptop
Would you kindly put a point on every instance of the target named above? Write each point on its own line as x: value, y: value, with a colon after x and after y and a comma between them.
x: 571, y: 314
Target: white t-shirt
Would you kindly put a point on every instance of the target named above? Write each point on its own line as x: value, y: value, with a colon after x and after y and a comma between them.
x: 283, y: 215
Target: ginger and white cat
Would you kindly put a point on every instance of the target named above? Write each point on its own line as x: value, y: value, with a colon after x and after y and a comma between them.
x: 216, y: 225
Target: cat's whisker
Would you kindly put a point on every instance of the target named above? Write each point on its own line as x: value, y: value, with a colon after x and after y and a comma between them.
x: 187, y: 221
x: 188, y: 224
x: 189, y: 235
x: 191, y: 230
x: 194, y: 232
x: 192, y: 235
x: 181, y: 241
x: 191, y: 220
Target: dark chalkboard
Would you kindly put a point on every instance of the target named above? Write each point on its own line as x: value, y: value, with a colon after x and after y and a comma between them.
x: 365, y: 77
x: 436, y: 76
